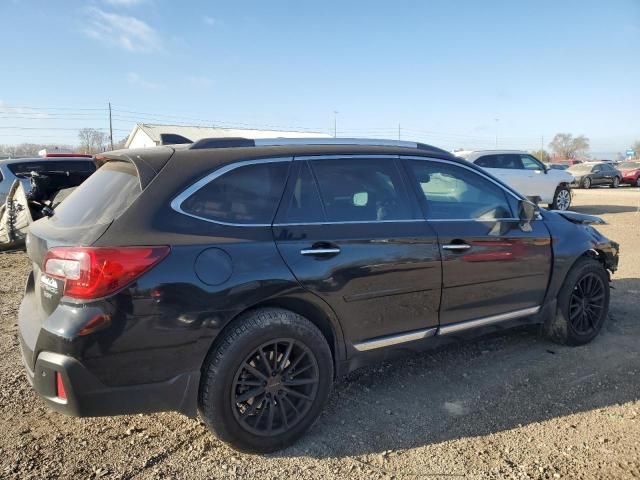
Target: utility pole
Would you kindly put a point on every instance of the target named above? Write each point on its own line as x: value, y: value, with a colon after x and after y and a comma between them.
x: 335, y: 124
x: 497, y: 120
x: 542, y: 142
x: 110, y: 127
x: 398, y: 131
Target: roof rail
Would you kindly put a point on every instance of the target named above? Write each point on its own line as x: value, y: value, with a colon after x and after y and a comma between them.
x: 227, y: 142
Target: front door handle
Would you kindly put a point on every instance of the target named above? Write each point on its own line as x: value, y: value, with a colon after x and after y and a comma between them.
x: 456, y: 247
x: 320, y: 251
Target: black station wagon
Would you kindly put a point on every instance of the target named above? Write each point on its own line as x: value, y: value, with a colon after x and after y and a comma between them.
x: 237, y: 278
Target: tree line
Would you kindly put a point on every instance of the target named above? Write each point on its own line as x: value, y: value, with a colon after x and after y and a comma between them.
x: 565, y: 146
x: 90, y: 140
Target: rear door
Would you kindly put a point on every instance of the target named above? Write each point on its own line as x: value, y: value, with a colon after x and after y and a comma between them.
x: 351, y: 233
x: 490, y: 266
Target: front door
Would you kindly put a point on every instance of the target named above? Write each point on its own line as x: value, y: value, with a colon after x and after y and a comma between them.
x: 351, y: 233
x: 490, y: 266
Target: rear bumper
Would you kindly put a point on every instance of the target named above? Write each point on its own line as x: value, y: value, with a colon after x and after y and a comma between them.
x: 86, y: 396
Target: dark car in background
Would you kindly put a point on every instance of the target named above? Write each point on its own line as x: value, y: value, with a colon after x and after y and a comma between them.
x: 239, y: 277
x: 630, y: 173
x: 589, y: 175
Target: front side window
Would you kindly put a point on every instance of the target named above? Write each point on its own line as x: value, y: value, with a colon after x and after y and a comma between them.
x: 247, y: 194
x: 362, y: 190
x: 530, y: 163
x: 455, y: 193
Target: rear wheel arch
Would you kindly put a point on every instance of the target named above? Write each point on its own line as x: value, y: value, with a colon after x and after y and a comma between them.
x: 329, y: 327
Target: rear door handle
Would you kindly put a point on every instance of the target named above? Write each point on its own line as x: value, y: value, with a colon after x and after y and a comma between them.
x: 456, y: 247
x: 320, y: 251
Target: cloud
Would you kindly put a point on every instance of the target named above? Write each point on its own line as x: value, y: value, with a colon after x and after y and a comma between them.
x: 125, y: 3
x: 209, y: 20
x: 124, y: 31
x: 138, y: 81
x: 31, y: 112
x: 199, y: 81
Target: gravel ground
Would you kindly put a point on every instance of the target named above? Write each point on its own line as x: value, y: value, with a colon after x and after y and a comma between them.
x: 507, y: 406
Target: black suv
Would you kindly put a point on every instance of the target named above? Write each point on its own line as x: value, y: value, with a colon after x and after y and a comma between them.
x: 238, y: 278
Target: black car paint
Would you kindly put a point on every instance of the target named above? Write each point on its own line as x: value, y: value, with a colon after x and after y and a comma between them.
x: 148, y: 354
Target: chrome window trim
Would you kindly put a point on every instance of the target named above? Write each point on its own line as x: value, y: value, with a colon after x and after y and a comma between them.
x: 176, y: 203
x: 481, y: 322
x: 389, y: 340
x: 346, y: 156
x: 294, y: 224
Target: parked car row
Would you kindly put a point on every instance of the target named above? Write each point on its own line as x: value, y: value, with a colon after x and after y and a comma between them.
x: 237, y: 278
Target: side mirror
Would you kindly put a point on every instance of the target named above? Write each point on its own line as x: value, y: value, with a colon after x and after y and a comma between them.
x: 527, y: 211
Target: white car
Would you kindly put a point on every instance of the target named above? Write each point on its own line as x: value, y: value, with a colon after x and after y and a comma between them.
x: 526, y: 174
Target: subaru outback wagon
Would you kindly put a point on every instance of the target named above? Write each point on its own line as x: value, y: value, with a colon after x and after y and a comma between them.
x: 237, y: 278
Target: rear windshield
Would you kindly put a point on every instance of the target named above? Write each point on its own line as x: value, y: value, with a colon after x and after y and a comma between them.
x: 101, y: 198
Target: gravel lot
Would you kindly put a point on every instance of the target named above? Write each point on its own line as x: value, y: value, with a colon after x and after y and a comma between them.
x: 507, y: 406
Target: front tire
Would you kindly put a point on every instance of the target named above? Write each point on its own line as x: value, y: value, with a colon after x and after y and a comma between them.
x: 561, y: 199
x: 583, y: 304
x: 638, y: 182
x: 616, y: 182
x: 266, y: 381
x: 586, y: 183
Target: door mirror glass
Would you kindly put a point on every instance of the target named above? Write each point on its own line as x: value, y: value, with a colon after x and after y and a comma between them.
x: 526, y: 213
x: 360, y: 199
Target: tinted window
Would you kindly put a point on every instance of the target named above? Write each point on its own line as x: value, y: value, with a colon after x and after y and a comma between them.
x: 78, y: 166
x: 301, y: 202
x: 455, y: 193
x: 508, y: 161
x: 530, y: 163
x: 22, y: 169
x: 362, y: 190
x: 101, y: 198
x: 245, y: 195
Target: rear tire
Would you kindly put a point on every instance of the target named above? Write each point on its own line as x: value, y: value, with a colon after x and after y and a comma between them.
x: 616, y: 182
x: 561, y: 199
x: 583, y: 304
x: 638, y: 182
x: 266, y: 381
x: 586, y: 183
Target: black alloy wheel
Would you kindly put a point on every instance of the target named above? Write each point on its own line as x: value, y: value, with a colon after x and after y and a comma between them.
x: 616, y: 182
x: 587, y: 304
x: 275, y: 387
x: 586, y: 182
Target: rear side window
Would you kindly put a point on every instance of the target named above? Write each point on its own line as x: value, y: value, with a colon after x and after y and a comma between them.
x: 362, y: 190
x: 301, y: 203
x: 101, y: 198
x: 246, y: 195
x: 507, y: 161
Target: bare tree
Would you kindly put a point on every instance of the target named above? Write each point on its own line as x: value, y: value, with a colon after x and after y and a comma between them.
x: 541, y: 155
x: 565, y: 145
x: 24, y: 149
x: 636, y: 148
x: 92, y: 140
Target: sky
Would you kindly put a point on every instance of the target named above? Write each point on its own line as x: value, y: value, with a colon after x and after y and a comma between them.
x: 456, y: 74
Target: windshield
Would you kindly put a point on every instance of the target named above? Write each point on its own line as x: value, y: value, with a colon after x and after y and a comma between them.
x: 629, y: 165
x: 580, y: 168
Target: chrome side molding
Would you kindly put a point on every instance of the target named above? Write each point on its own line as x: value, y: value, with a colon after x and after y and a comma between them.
x: 481, y: 322
x: 394, y: 339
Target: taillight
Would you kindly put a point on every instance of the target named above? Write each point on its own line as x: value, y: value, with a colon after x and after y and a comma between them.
x: 90, y: 272
x: 60, y: 392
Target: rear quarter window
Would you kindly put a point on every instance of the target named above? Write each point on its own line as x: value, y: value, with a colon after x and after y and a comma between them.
x: 101, y: 198
x: 244, y: 195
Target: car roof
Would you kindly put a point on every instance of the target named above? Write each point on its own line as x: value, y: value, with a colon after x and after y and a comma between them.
x: 471, y: 155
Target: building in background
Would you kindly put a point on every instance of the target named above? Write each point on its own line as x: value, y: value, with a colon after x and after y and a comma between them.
x: 146, y: 135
